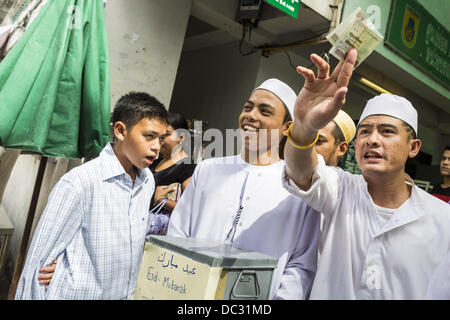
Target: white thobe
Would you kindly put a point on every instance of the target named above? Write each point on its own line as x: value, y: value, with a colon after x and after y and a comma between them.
x: 439, y: 288
x: 272, y: 221
x: 364, y: 258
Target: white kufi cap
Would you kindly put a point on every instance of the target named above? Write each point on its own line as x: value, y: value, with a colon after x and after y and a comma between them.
x: 391, y: 105
x: 282, y: 91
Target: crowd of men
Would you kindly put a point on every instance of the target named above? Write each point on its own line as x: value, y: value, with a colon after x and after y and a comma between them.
x: 381, y: 236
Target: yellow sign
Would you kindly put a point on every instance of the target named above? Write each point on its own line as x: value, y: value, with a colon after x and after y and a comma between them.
x: 410, y: 27
x: 167, y: 275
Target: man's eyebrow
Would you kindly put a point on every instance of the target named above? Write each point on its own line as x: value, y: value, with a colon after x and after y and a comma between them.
x: 261, y: 105
x: 378, y: 125
x: 388, y: 125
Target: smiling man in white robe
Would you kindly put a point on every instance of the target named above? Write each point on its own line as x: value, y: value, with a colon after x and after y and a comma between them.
x: 241, y: 200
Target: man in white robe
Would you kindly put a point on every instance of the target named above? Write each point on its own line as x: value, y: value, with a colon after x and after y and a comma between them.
x: 385, y: 236
x: 241, y: 200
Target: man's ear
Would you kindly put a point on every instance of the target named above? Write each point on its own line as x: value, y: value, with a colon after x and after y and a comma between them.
x: 414, y: 145
x: 342, y: 149
x: 285, y: 128
x: 120, y: 130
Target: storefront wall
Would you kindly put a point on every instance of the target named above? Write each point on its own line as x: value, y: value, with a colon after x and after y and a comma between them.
x: 146, y: 40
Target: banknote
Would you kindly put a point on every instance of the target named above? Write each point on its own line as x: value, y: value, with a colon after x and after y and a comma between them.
x: 356, y: 31
x: 334, y: 35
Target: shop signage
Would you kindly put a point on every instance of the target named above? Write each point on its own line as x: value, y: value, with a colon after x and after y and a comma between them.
x: 291, y: 7
x: 419, y: 37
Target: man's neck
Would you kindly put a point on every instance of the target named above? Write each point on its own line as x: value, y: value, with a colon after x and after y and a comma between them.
x: 388, y: 191
x: 260, y: 159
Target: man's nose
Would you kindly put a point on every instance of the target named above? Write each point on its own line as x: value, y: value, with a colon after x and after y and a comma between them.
x: 252, y: 114
x: 373, y: 138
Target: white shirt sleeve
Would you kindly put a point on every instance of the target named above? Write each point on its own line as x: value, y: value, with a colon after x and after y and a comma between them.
x: 325, y: 192
x: 297, y: 279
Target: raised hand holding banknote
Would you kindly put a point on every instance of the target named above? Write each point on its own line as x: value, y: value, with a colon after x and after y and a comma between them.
x: 321, y: 97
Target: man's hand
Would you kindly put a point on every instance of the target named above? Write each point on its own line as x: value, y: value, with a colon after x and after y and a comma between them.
x: 317, y: 104
x: 46, y: 274
x: 321, y: 97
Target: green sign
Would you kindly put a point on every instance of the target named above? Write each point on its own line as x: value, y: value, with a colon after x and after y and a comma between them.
x: 419, y: 37
x: 291, y: 7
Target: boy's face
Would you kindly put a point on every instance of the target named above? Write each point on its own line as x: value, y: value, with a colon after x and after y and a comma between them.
x: 140, y: 145
x: 262, y: 117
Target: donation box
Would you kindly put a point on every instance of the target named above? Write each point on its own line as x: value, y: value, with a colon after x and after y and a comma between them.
x: 174, y: 268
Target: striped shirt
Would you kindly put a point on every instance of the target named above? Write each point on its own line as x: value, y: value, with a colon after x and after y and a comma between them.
x: 94, y: 224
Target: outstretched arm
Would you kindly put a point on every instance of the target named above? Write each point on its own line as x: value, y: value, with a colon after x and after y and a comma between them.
x: 317, y: 104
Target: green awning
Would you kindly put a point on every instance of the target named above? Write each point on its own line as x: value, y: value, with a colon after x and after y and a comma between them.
x: 54, y: 83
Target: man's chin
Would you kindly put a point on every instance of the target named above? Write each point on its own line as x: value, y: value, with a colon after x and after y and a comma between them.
x: 254, y: 148
x: 371, y: 169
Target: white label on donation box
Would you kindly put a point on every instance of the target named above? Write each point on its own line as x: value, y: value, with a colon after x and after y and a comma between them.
x: 166, y: 275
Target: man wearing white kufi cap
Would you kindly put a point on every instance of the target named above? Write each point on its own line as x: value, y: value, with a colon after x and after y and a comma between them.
x: 241, y: 200
x: 385, y: 236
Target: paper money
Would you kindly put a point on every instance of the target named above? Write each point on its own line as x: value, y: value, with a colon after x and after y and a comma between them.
x: 356, y: 31
x: 337, y: 32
